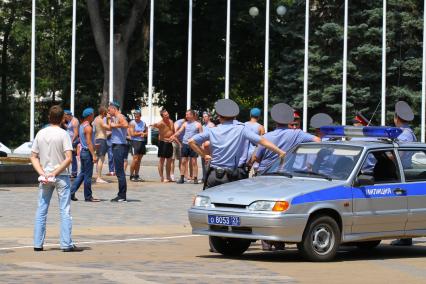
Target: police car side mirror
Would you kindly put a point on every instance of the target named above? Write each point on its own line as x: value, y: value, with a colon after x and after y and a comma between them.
x: 363, y: 180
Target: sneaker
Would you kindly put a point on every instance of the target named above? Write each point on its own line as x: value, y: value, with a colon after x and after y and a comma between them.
x: 73, y: 198
x: 99, y: 180
x: 38, y: 249
x: 402, y: 242
x: 73, y: 175
x: 195, y: 180
x: 138, y: 179
x: 118, y: 199
x: 132, y: 178
x: 72, y: 249
x: 181, y: 181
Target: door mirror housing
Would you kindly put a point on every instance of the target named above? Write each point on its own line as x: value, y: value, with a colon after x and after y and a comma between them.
x: 363, y: 180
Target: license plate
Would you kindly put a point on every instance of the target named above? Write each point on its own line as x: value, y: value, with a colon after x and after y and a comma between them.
x: 224, y: 220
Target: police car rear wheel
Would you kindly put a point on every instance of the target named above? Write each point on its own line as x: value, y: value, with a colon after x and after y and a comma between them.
x: 321, y: 239
x: 367, y: 245
x: 230, y: 246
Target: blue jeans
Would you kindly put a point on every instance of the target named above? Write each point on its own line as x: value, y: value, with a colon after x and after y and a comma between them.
x: 74, y: 164
x: 110, y: 156
x: 86, y: 173
x: 62, y: 186
x: 119, y: 152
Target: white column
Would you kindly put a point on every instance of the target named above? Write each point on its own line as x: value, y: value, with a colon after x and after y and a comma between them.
x: 306, y: 69
x: 74, y: 19
x: 383, y: 121
x: 189, y: 64
x: 345, y: 63
x: 111, y: 51
x: 424, y: 77
x: 228, y: 39
x: 150, y: 72
x: 266, y: 79
x: 32, y: 98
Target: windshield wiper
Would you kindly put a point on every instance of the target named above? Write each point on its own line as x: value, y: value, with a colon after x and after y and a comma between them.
x: 285, y: 174
x: 314, y: 174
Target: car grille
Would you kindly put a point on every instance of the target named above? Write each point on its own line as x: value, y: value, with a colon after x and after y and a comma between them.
x: 237, y: 230
x: 226, y: 205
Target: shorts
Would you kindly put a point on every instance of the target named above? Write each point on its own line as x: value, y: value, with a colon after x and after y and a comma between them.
x: 101, y: 147
x: 176, y: 151
x: 165, y: 149
x: 138, y: 147
x: 188, y: 152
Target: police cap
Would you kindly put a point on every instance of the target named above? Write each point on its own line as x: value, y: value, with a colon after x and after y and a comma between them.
x: 321, y: 119
x: 404, y: 111
x: 227, y: 108
x: 282, y: 113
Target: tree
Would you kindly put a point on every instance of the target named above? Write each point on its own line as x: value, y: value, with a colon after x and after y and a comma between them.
x: 130, y: 40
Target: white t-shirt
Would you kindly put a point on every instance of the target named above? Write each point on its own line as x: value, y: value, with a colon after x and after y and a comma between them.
x: 50, y: 144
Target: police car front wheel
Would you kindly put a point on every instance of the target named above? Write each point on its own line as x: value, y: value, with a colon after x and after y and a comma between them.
x: 321, y: 239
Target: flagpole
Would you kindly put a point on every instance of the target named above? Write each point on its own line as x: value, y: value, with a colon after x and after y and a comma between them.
x: 32, y: 97
x: 111, y: 51
x: 383, y: 116
x: 189, y: 64
x: 345, y: 63
x: 74, y: 18
x: 266, y: 72
x: 228, y: 39
x: 423, y: 108
x: 151, y: 69
x: 306, y: 69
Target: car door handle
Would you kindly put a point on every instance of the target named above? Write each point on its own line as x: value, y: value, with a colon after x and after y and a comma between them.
x: 399, y: 191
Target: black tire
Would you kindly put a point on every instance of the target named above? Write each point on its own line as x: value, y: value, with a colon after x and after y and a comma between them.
x: 321, y: 239
x: 367, y: 245
x: 230, y: 246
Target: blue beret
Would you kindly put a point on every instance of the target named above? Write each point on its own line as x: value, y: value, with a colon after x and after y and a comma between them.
x: 114, y: 104
x: 87, y: 112
x: 255, y: 112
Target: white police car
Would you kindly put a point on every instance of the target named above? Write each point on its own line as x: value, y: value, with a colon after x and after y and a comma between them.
x: 354, y: 192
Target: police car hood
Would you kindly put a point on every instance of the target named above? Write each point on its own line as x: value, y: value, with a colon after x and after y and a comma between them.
x: 244, y: 192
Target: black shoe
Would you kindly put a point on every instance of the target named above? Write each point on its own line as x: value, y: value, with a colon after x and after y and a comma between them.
x: 195, y: 180
x: 92, y: 200
x: 132, y: 178
x: 73, y: 176
x: 181, y: 181
x: 72, y: 249
x: 402, y: 242
x: 38, y: 249
x: 118, y: 199
x: 73, y: 198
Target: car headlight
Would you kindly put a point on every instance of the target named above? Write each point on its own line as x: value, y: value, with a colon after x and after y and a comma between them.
x: 202, y: 201
x: 275, y: 206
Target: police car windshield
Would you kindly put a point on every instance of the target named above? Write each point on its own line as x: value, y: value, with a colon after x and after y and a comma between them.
x: 331, y: 162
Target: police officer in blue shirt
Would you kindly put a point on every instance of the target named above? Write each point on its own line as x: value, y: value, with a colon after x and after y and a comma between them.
x: 282, y: 136
x: 403, y: 115
x: 225, y: 144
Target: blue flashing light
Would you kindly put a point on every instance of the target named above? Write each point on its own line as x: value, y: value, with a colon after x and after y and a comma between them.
x: 367, y: 131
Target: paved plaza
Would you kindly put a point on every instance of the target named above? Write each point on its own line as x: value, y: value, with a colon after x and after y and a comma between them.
x: 148, y: 240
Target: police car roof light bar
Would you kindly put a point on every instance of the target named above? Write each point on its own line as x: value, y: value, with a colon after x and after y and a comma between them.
x: 366, y: 131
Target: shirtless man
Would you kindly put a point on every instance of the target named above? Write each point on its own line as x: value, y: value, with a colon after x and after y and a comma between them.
x: 165, y: 144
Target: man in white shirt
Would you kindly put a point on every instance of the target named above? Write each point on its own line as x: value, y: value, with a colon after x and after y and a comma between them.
x: 51, y: 156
